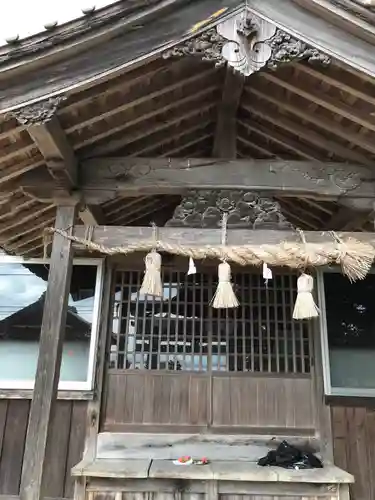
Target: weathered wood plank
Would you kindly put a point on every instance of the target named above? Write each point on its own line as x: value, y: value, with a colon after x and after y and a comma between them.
x: 129, y: 175
x: 13, y: 446
x: 57, y: 451
x: 120, y: 235
x: 323, y: 423
x: 55, y: 148
x: 76, y: 444
x: 113, y: 468
x: 105, y: 178
x: 225, y: 134
x: 62, y: 162
x: 49, y: 360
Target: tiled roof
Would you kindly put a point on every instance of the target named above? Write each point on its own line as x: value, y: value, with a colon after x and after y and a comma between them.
x: 23, y: 18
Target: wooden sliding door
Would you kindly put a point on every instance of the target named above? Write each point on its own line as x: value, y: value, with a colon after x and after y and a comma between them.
x: 178, y: 365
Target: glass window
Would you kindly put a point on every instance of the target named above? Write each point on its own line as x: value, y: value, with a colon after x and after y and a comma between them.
x: 350, y: 335
x: 23, y: 287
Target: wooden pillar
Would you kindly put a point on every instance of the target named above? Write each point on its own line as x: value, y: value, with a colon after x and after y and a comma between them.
x: 49, y: 360
x: 94, y: 406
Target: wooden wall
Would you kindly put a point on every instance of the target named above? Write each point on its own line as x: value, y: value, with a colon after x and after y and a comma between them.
x: 151, y: 400
x: 64, y: 449
x: 353, y: 431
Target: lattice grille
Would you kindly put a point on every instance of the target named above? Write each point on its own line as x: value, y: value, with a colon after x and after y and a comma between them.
x: 182, y: 331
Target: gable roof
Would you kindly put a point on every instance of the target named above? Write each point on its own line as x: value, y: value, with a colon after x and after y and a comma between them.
x: 122, y: 97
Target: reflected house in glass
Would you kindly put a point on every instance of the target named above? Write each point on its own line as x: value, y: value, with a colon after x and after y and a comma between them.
x: 19, y: 343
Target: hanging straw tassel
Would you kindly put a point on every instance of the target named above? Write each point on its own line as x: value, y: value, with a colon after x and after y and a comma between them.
x: 152, y: 284
x: 356, y: 258
x: 305, y: 307
x: 224, y: 297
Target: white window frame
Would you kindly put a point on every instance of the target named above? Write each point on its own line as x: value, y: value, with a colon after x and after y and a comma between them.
x: 67, y: 385
x: 328, y: 389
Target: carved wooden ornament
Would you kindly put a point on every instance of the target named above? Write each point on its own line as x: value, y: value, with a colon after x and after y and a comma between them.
x: 247, y: 44
x: 205, y: 209
x: 38, y: 113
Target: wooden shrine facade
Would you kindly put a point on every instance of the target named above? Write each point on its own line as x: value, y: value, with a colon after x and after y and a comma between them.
x: 174, y: 113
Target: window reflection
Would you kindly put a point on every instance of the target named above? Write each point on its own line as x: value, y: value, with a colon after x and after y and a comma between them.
x: 22, y: 295
x: 350, y: 317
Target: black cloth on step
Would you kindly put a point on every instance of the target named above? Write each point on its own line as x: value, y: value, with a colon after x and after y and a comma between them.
x: 290, y: 457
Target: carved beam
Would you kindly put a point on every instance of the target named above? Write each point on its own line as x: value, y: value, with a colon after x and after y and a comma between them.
x: 226, y: 134
x: 116, y: 235
x: 247, y: 43
x: 45, y: 130
x: 105, y: 178
x: 244, y: 209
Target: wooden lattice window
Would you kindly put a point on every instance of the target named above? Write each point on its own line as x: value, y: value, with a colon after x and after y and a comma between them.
x: 182, y: 332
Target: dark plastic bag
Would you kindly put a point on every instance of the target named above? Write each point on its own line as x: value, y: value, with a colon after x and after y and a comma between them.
x: 290, y: 457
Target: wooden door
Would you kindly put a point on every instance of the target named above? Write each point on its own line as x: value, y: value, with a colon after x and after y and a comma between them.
x: 179, y: 365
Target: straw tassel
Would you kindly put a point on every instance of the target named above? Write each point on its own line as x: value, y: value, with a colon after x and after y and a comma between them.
x: 356, y: 260
x: 224, y: 297
x: 305, y: 307
x: 152, y: 284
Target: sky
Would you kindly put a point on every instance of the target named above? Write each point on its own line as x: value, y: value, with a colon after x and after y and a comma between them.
x: 28, y: 17
x: 19, y: 288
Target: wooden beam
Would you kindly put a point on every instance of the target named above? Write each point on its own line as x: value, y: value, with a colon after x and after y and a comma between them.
x: 143, y: 95
x: 343, y: 80
x: 253, y: 146
x: 49, y: 359
x: 254, y: 127
x: 166, y: 107
x: 55, y: 148
x: 62, y: 163
x: 225, y: 135
x: 105, y: 178
x: 311, y: 137
x: 116, y: 235
x: 92, y: 215
x: 272, y: 94
x: 346, y: 219
x: 335, y: 106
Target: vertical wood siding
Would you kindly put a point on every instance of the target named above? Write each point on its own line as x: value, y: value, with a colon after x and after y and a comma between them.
x: 64, y: 448
x: 143, y: 399
x: 354, y: 447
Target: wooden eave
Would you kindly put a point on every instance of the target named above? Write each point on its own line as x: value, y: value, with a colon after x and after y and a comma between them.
x: 348, y: 14
x: 153, y: 107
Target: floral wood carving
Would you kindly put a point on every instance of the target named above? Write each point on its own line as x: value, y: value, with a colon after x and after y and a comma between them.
x: 208, y: 46
x: 286, y: 49
x: 247, y: 44
x: 38, y: 113
x: 245, y: 209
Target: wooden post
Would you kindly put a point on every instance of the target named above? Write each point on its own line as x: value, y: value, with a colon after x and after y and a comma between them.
x: 49, y: 360
x: 94, y: 406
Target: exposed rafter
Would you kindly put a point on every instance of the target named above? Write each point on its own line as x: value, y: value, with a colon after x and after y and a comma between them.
x: 226, y: 130
x: 47, y: 134
x: 310, y: 136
